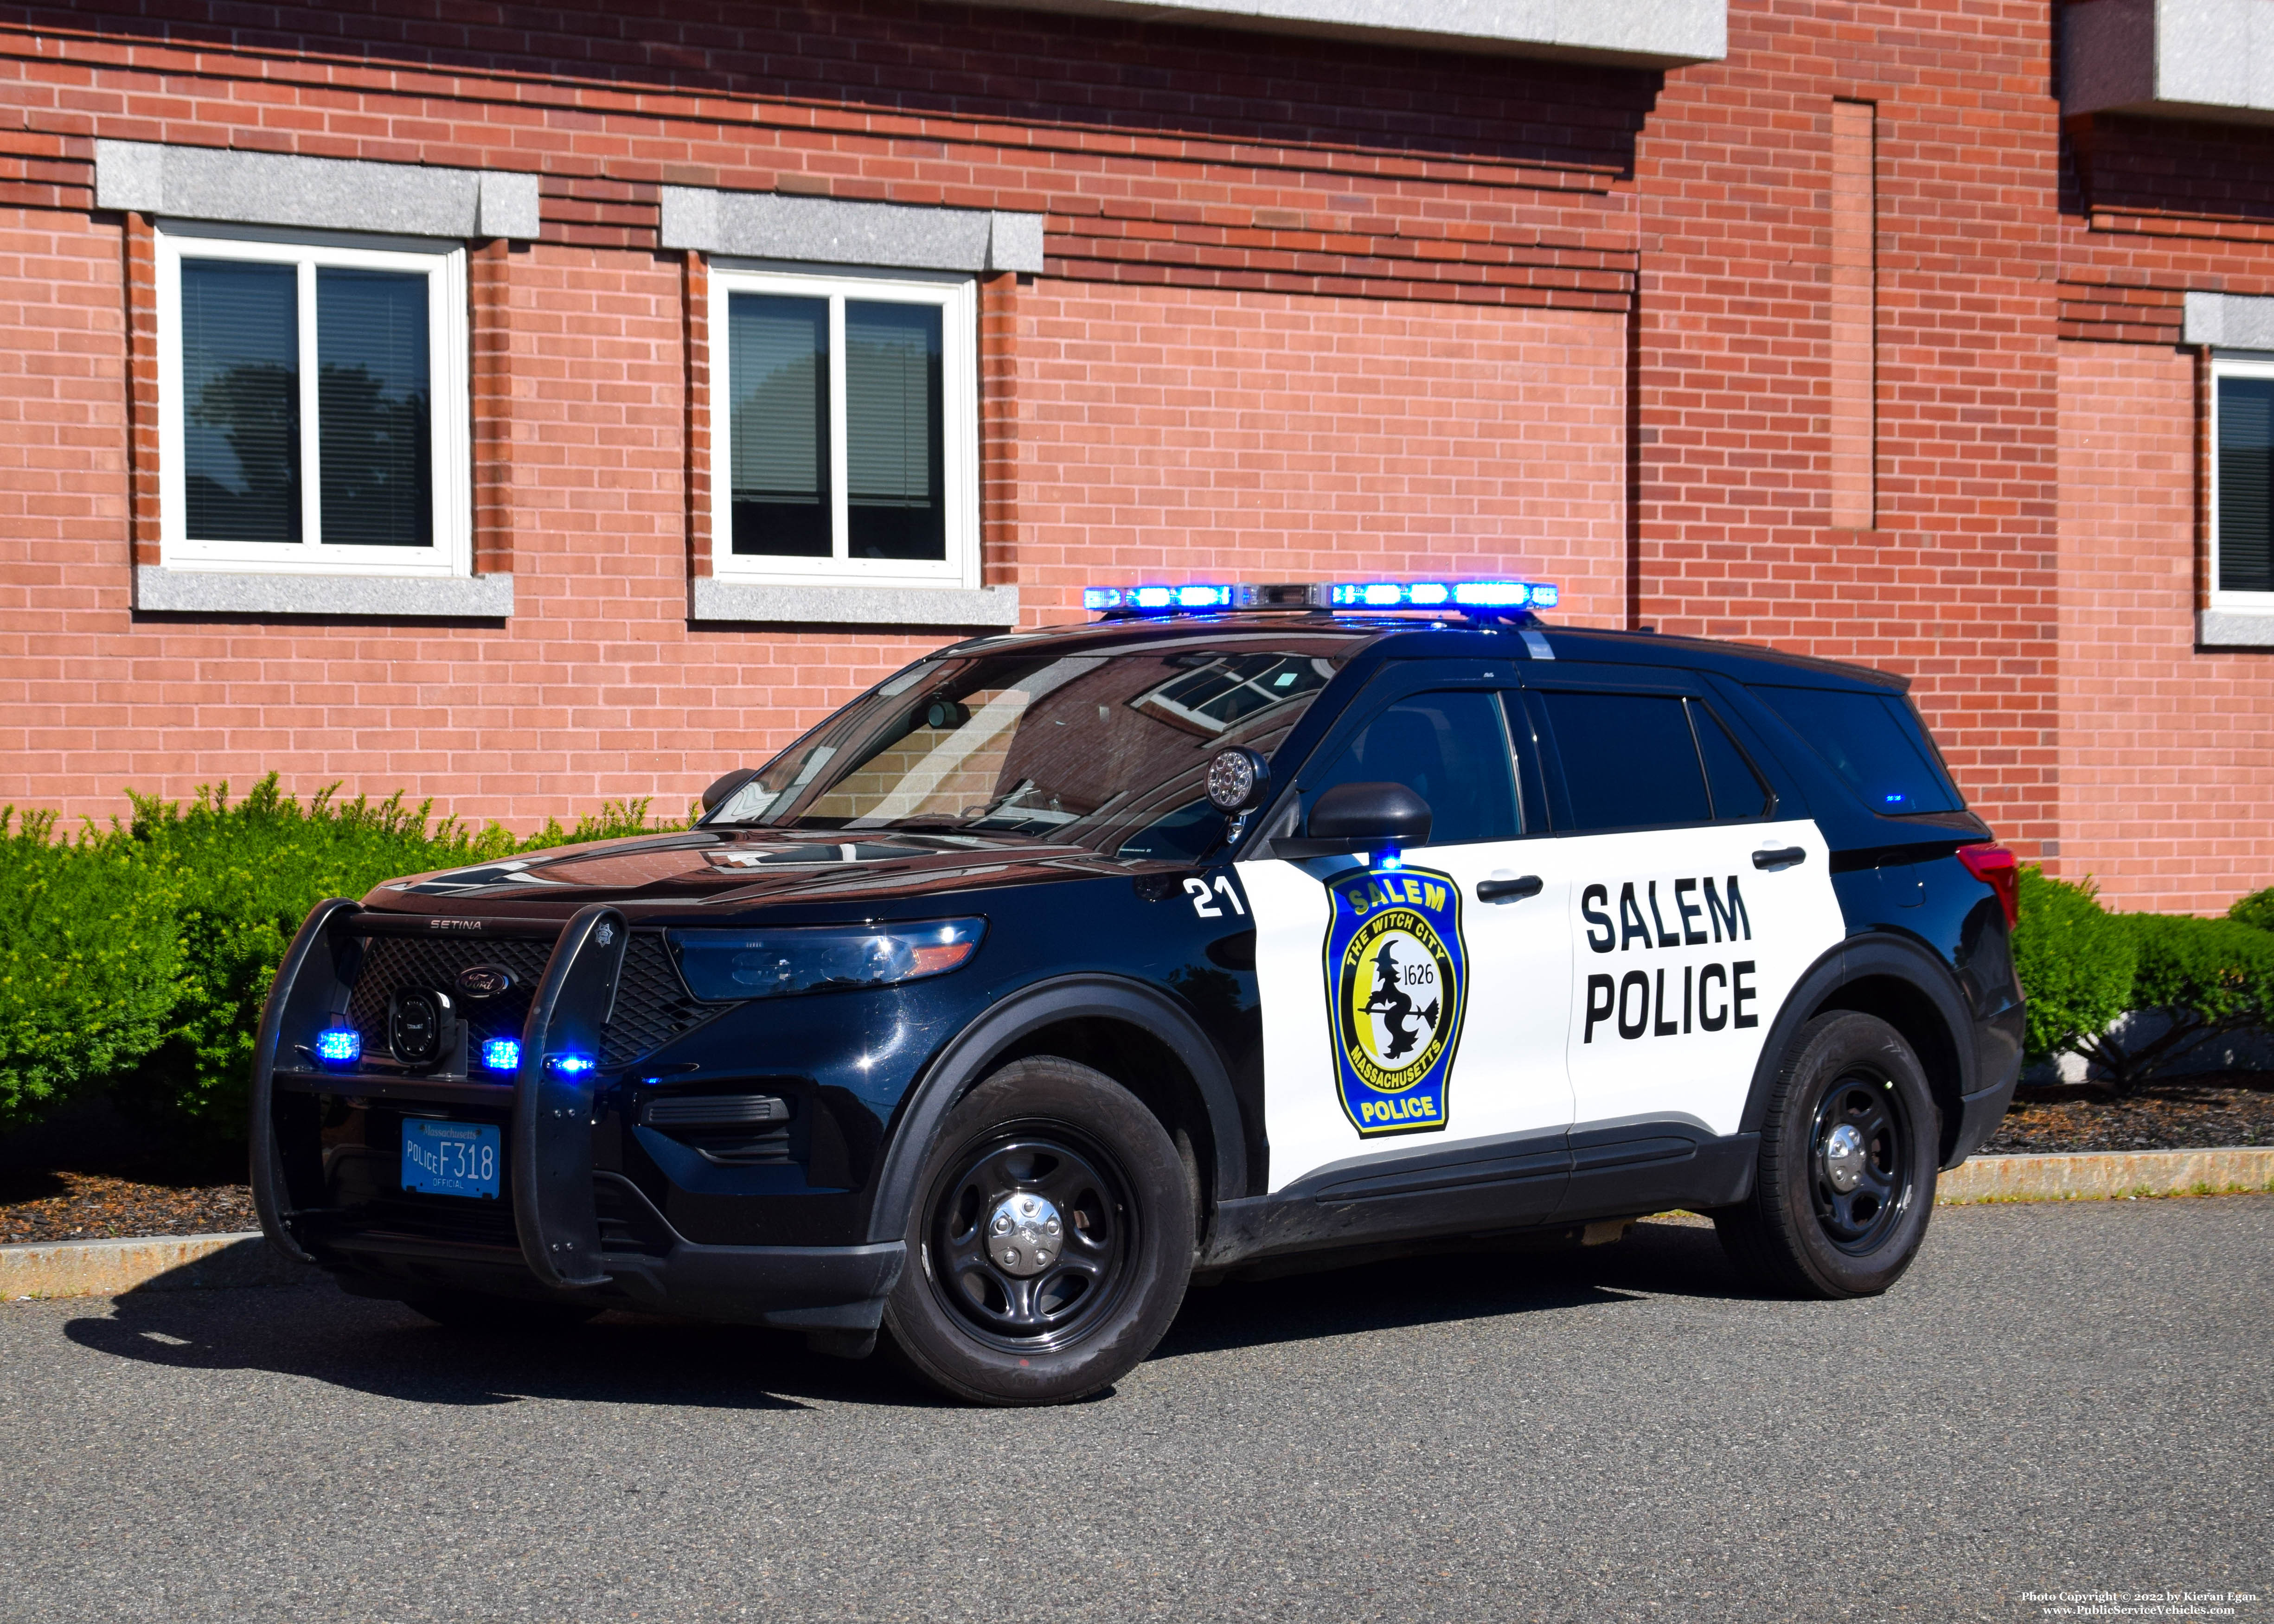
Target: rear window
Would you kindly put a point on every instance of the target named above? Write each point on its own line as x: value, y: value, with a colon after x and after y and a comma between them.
x: 1875, y: 743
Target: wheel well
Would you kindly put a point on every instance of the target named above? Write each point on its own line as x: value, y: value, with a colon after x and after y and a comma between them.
x: 1910, y: 1011
x: 1147, y: 1068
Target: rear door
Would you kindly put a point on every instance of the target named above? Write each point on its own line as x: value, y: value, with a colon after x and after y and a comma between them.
x: 1694, y: 903
x: 1418, y: 1002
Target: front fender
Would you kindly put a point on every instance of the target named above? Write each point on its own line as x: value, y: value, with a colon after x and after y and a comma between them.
x: 966, y: 1060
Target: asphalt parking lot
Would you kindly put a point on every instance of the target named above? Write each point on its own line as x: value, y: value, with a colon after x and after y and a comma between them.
x: 2058, y: 1397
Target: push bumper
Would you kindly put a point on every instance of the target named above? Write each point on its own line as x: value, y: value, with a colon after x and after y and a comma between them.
x: 555, y: 1248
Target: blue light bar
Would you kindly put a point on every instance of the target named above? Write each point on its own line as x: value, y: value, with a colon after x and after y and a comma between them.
x: 339, y: 1046
x: 1437, y: 594
x: 1205, y: 596
x: 574, y: 1065
x: 502, y: 1054
x: 1159, y: 599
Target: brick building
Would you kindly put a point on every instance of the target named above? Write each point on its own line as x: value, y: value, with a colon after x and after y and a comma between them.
x: 677, y: 370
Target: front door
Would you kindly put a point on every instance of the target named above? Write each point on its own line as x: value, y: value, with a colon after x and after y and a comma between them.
x: 1417, y: 1001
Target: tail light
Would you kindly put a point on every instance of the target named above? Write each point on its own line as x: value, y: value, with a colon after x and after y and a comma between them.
x: 1994, y: 867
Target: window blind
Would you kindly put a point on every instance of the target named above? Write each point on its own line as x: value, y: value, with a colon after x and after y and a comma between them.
x: 241, y: 389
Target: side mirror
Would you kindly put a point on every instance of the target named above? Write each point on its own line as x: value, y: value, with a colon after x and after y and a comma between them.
x: 1360, y: 818
x: 716, y: 795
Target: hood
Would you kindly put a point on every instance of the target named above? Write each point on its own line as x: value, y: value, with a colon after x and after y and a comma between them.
x: 719, y: 871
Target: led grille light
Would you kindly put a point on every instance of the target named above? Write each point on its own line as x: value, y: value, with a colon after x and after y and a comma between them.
x: 339, y: 1046
x: 502, y: 1054
x: 574, y: 1065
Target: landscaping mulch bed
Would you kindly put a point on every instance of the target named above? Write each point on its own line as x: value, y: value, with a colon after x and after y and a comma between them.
x: 2214, y: 1111
x: 84, y: 1207
x: 2197, y: 1113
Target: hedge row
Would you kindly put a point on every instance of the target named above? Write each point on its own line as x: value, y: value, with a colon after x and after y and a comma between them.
x: 2083, y: 967
x: 135, y: 958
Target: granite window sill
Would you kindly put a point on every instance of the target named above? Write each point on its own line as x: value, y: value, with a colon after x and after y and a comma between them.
x: 986, y: 607
x: 160, y: 590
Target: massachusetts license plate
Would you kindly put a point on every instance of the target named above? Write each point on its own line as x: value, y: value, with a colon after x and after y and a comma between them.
x: 451, y: 1157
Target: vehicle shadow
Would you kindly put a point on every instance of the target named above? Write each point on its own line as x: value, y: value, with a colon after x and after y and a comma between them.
x: 316, y: 1331
x: 1473, y: 1282
x: 313, y: 1330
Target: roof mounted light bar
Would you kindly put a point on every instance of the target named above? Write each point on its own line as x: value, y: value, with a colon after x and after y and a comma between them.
x: 1477, y: 598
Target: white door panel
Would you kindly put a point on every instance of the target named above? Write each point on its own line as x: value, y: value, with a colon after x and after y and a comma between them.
x: 1684, y: 953
x: 1498, y: 997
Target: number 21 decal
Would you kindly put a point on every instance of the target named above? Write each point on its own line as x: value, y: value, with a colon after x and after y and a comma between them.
x: 1204, y: 903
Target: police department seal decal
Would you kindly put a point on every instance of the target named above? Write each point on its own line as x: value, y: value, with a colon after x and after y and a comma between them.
x: 1397, y: 982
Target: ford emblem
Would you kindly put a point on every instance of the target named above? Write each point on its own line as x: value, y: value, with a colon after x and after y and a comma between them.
x: 483, y: 980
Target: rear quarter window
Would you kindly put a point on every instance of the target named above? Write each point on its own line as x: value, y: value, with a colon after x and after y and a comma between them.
x: 1873, y: 741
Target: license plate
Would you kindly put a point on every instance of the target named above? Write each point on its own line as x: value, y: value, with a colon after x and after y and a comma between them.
x: 451, y: 1157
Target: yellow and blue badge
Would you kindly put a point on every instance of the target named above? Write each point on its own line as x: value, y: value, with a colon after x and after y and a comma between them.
x: 1396, y: 981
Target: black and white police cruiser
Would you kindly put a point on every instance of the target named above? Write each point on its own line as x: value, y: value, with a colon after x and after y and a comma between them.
x: 1247, y: 922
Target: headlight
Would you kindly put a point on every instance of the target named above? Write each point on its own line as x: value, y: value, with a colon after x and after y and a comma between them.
x: 722, y: 966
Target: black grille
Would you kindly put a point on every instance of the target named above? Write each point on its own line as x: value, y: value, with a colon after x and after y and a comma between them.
x: 393, y: 963
x: 653, y: 1005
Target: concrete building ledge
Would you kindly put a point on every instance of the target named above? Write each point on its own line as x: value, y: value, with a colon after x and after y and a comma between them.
x: 1636, y: 34
x: 333, y: 194
x: 765, y: 225
x: 987, y: 607
x: 2208, y: 59
x: 193, y: 591
x: 2227, y: 320
x: 2234, y: 628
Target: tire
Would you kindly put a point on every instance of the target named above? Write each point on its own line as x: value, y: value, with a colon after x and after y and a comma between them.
x: 998, y: 1308
x: 1845, y: 1183
x: 498, y: 1316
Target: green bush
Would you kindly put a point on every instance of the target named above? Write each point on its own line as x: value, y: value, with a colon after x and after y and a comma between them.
x: 2076, y: 962
x: 194, y: 908
x: 2209, y: 976
x: 90, y: 960
x: 2256, y: 909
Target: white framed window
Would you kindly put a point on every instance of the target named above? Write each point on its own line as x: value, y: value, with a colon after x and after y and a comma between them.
x: 2242, y: 482
x: 314, y: 415
x: 844, y: 427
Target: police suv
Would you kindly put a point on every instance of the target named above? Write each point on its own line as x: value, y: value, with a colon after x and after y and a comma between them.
x: 1246, y: 923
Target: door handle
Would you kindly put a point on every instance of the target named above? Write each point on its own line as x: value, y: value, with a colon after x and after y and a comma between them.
x: 1779, y: 857
x: 1509, y: 891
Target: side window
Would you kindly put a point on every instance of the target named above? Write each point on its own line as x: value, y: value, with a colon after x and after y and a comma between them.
x: 1628, y: 759
x: 1875, y: 743
x: 1452, y: 749
x: 1738, y: 792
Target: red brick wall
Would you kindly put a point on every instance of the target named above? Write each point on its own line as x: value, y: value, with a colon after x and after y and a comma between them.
x: 1734, y: 534
x: 2166, y: 760
x: 1197, y: 434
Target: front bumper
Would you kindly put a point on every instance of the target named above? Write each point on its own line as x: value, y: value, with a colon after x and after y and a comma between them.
x: 564, y: 1229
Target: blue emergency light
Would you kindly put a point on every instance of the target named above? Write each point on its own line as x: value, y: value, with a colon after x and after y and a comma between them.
x: 502, y: 1054
x: 339, y: 1046
x: 573, y: 1065
x: 1489, y: 597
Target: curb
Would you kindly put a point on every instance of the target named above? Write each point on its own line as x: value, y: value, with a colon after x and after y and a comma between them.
x: 2102, y: 1176
x: 160, y: 1263
x: 189, y: 1262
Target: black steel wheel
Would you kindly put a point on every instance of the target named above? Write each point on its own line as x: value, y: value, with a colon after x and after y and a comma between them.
x: 1859, y: 1161
x: 1049, y: 1242
x: 1845, y: 1182
x: 1032, y: 1236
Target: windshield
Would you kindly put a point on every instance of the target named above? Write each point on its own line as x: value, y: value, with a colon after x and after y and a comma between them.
x: 1108, y: 751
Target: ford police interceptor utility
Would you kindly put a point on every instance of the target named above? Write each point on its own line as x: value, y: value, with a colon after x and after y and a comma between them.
x: 1247, y: 922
